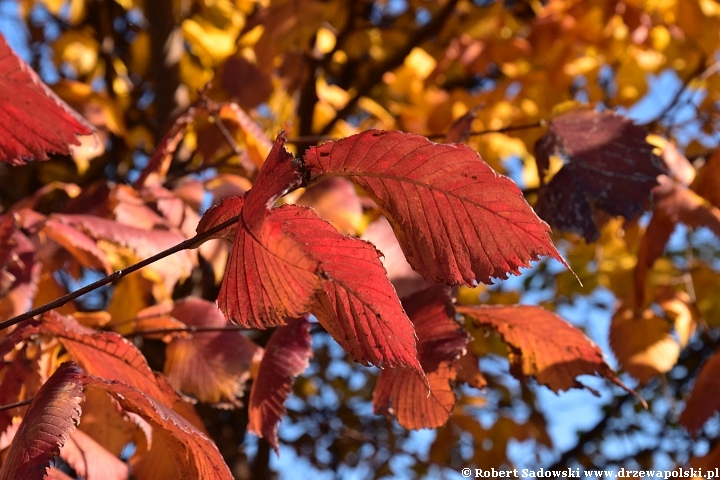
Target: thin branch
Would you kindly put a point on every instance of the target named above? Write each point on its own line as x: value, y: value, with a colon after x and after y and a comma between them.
x: 312, y: 139
x: 193, y: 242
x: 191, y: 329
x: 391, y: 63
x: 10, y: 406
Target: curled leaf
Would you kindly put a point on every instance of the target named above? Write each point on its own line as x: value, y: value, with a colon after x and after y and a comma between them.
x: 48, y: 423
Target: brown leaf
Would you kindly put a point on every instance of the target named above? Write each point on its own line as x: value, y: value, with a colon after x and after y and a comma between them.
x: 543, y: 345
x: 287, y: 354
x: 246, y: 82
x: 52, y: 416
x: 643, y: 344
x: 25, y: 132
x: 610, y: 167
x: 459, y: 131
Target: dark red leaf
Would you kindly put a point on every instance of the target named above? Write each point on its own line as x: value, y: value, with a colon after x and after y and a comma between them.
x: 33, y: 120
x: 287, y: 354
x: 222, y: 212
x: 52, y: 416
x: 456, y: 219
x: 609, y: 167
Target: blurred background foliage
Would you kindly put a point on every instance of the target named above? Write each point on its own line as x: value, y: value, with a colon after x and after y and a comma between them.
x: 324, y: 69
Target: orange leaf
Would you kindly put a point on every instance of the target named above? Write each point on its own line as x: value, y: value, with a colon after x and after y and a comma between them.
x: 456, y: 219
x: 106, y: 355
x: 407, y: 391
x: 643, y: 344
x: 52, y: 416
x: 187, y: 452
x: 543, y: 345
x: 90, y: 460
x: 286, y: 356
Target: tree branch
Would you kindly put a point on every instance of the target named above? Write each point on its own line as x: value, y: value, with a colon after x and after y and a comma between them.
x: 193, y: 242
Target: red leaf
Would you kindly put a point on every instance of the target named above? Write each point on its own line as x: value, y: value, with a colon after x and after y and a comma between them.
x: 456, y: 219
x: 543, y: 345
x: 105, y: 355
x: 268, y: 277
x: 222, y: 212
x: 704, y: 399
x: 144, y: 243
x: 609, y: 166
x: 211, y: 366
x: 286, y: 356
x: 355, y: 302
x: 279, y: 175
x: 52, y: 416
x: 187, y: 452
x: 82, y: 247
x: 407, y: 391
x: 33, y: 120
x: 441, y: 341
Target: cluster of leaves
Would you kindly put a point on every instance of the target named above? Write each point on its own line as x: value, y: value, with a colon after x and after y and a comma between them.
x: 354, y: 242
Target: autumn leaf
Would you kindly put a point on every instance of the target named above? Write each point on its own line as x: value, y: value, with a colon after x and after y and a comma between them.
x: 407, y: 392
x: 609, y: 167
x: 287, y: 354
x: 643, y: 343
x: 311, y: 267
x: 543, y: 345
x: 211, y: 366
x: 82, y: 247
x: 105, y: 355
x: 24, y: 135
x: 403, y: 391
x: 90, y: 460
x: 456, y: 219
x: 704, y: 399
x: 674, y: 203
x: 187, y: 453
x: 50, y: 419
